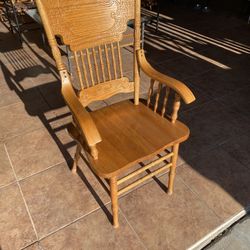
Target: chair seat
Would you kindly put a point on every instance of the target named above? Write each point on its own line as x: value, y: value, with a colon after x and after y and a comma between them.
x: 131, y: 134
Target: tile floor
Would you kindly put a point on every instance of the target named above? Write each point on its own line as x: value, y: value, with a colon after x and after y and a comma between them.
x: 43, y: 206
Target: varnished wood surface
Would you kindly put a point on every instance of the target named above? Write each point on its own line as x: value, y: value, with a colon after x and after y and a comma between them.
x: 85, y: 24
x: 123, y: 134
x: 131, y: 133
x: 105, y: 90
x: 82, y: 117
x: 184, y: 92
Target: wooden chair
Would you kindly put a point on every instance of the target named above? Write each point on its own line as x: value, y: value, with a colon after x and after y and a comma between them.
x: 117, y: 137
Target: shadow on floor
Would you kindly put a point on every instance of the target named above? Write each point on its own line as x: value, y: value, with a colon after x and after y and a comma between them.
x: 213, y: 61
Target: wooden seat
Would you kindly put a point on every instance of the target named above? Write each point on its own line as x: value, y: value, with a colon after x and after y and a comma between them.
x: 138, y: 131
x: 117, y: 137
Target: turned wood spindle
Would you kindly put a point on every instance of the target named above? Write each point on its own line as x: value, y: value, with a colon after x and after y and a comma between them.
x: 90, y: 67
x: 119, y: 58
x: 165, y: 101
x: 176, y: 107
x: 102, y: 64
x: 150, y: 91
x: 157, y: 96
x: 113, y: 59
x: 107, y: 60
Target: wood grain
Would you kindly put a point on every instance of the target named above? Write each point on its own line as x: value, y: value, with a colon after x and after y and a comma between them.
x: 117, y: 137
x: 105, y: 90
x: 142, y: 136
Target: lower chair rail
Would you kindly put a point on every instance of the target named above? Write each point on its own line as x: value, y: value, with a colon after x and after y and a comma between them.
x: 142, y: 169
x: 134, y: 184
x: 158, y: 161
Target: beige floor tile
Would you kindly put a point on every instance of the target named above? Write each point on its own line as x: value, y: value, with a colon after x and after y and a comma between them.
x: 8, y: 97
x: 57, y: 197
x: 210, y: 125
x: 35, y: 246
x: 51, y: 92
x: 93, y: 232
x: 25, y: 68
x: 15, y: 226
x: 238, y: 101
x: 14, y: 89
x: 239, y: 148
x: 178, y: 68
x: 168, y: 222
x: 216, y: 84
x: 33, y: 152
x: 14, y: 120
x: 127, y: 62
x: 6, y: 173
x: 58, y: 126
x: 220, y: 181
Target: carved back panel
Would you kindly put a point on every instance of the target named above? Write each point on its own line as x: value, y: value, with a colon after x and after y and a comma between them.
x: 88, y: 23
x: 92, y: 30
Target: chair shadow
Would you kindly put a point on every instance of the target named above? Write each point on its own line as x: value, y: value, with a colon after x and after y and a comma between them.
x: 34, y: 70
x: 91, y: 189
x: 29, y: 68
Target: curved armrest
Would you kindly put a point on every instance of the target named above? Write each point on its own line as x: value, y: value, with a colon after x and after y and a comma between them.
x: 83, y: 118
x: 184, y: 92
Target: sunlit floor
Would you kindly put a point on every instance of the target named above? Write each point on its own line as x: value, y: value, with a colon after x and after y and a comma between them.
x: 44, y: 206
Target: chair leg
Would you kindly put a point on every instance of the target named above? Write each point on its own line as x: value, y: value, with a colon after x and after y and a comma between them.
x: 172, y: 169
x: 114, y: 200
x: 76, y: 158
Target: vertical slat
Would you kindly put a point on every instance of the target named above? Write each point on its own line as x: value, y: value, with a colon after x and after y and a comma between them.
x: 90, y: 68
x: 157, y: 96
x: 113, y: 59
x: 84, y: 69
x: 96, y: 66
x: 176, y: 107
x: 107, y: 61
x: 102, y: 65
x: 165, y: 101
x: 119, y: 58
x: 150, y: 91
x: 78, y: 69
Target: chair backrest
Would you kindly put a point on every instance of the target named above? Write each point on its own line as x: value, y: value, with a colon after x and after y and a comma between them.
x: 93, y: 29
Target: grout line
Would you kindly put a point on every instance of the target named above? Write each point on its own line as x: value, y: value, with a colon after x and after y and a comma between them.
x: 204, y: 241
x: 198, y: 196
x: 73, y: 221
x: 52, y: 166
x: 28, y: 245
x: 138, y: 237
x: 239, y: 162
x: 95, y: 210
x: 4, y: 140
x: 213, y: 234
x: 12, y: 104
x: 6, y: 185
x: 21, y: 192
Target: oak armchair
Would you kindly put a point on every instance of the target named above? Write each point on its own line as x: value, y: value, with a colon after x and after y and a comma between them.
x: 122, y: 135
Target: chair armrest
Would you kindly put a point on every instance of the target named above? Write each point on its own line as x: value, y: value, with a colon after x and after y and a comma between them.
x: 179, y: 87
x: 82, y: 116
